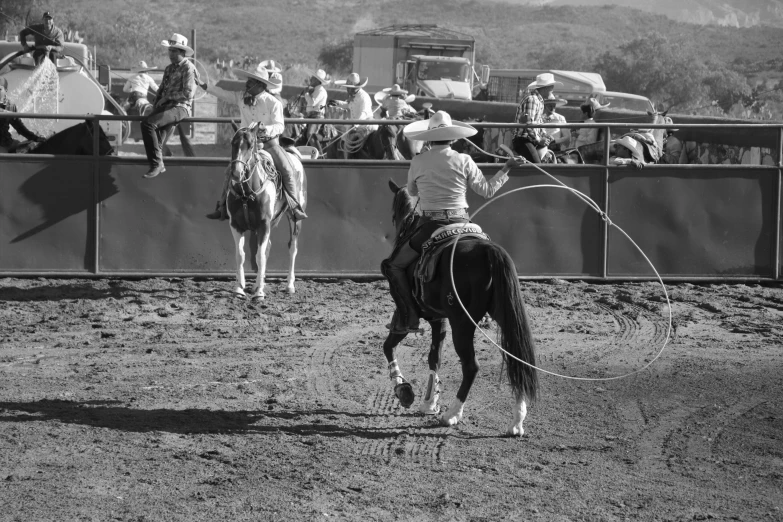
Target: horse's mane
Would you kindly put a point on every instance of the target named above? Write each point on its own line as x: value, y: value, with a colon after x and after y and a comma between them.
x: 403, y: 208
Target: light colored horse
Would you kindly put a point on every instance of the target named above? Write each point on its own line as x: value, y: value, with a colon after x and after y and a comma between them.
x: 255, y: 203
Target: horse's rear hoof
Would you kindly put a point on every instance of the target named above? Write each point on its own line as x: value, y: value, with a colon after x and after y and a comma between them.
x: 239, y: 291
x: 258, y: 298
x: 405, y: 395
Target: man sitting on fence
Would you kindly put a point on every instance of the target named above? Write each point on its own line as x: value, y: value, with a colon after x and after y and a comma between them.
x: 529, y: 141
x: 7, y: 143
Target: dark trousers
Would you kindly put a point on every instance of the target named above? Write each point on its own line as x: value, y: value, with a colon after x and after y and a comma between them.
x: 429, y: 225
x: 154, y: 130
x: 39, y: 55
x: 526, y: 149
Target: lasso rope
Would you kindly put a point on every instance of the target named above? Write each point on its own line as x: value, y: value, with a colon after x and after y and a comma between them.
x: 354, y: 142
x: 592, y: 204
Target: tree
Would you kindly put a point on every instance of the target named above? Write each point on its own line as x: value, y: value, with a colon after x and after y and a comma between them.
x: 337, y: 56
x: 16, y: 14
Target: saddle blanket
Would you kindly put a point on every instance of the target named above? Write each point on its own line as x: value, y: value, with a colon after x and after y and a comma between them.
x: 438, y: 242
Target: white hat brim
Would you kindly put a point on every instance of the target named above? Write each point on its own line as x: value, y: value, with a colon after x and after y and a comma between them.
x: 420, y: 131
x: 630, y: 146
x: 344, y: 83
x: 188, y: 51
x: 244, y: 75
x: 536, y: 85
x: 142, y: 69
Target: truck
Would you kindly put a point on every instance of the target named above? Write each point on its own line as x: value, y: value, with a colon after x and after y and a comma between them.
x: 424, y: 59
x: 509, y: 85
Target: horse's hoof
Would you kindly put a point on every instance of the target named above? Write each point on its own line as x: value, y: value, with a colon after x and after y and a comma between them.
x: 291, y: 290
x: 258, y: 297
x: 429, y: 408
x: 453, y: 415
x: 404, y: 393
x: 515, y: 431
x: 238, y: 290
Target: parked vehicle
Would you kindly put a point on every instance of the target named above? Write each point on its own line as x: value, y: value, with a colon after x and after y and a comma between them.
x: 624, y: 100
x: 509, y: 85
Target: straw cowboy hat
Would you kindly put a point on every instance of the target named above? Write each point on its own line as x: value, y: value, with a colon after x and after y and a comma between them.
x: 631, y: 144
x: 544, y: 80
x: 141, y: 67
x: 353, y: 81
x: 321, y: 76
x: 439, y: 127
x: 552, y: 99
x: 260, y: 74
x: 178, y: 41
x: 271, y: 66
x: 394, y: 91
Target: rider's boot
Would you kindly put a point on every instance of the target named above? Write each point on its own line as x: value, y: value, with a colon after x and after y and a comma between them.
x: 220, y: 212
x: 407, y: 318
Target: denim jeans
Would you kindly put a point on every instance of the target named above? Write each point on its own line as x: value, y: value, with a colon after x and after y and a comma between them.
x: 154, y: 129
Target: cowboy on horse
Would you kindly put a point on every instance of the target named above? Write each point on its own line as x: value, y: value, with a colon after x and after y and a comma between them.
x: 394, y: 105
x: 316, y: 99
x: 440, y: 177
x: 257, y: 105
x: 360, y: 105
x: 139, y: 85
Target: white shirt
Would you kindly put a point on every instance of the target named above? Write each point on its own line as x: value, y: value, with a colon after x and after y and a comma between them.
x: 441, y: 177
x: 586, y: 136
x: 142, y: 83
x: 561, y: 136
x: 268, y: 111
x: 317, y: 100
x: 361, y: 107
x: 397, y: 108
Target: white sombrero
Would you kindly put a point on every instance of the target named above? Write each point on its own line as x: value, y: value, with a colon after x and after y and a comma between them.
x: 439, y: 127
x: 261, y: 75
x: 393, y: 91
x: 141, y: 67
x: 353, y: 81
x: 271, y: 66
x: 275, y: 77
x: 544, y: 80
x: 322, y: 77
x: 631, y: 144
x: 178, y: 41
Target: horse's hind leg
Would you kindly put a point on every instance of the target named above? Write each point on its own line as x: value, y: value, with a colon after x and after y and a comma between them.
x: 462, y: 335
x: 520, y: 412
x: 402, y: 388
x: 295, y: 227
x: 264, y: 231
x: 239, y: 243
x: 429, y: 403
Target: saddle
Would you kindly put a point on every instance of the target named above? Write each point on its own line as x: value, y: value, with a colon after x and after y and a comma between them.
x: 439, y: 242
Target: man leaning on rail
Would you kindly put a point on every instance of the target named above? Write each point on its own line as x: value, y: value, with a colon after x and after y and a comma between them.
x: 7, y: 143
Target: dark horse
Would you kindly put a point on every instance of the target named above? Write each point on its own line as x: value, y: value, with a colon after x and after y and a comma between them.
x: 485, y: 279
x: 255, y: 203
x: 76, y: 140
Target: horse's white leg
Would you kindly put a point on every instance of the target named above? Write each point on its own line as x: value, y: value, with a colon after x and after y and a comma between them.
x: 239, y: 242
x: 261, y: 258
x: 429, y: 403
x: 292, y: 250
x: 402, y: 388
x: 520, y: 412
x: 454, y: 414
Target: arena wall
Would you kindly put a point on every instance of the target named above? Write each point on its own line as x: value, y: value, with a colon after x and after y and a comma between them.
x: 98, y: 216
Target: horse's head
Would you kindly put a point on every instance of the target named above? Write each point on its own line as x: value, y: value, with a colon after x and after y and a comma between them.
x: 243, y: 153
x: 403, y: 207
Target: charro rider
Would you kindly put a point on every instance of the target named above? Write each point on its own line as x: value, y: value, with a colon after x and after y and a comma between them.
x: 561, y: 137
x: 7, y: 143
x: 440, y: 177
x: 257, y: 105
x: 276, y: 76
x: 172, y: 103
x: 360, y: 105
x: 316, y: 98
x: 140, y: 84
x: 528, y: 141
x: 394, y: 106
x: 48, y: 39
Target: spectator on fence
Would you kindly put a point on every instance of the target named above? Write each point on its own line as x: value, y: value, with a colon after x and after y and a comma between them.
x: 48, y: 39
x: 673, y: 148
x: 172, y: 104
x: 588, y: 136
x: 528, y: 141
x: 7, y: 143
x: 316, y: 99
x: 561, y: 137
x: 627, y: 151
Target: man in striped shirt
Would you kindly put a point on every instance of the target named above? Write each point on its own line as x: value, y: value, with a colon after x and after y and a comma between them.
x: 527, y: 141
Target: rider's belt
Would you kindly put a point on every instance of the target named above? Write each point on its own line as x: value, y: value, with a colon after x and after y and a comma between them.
x: 446, y: 214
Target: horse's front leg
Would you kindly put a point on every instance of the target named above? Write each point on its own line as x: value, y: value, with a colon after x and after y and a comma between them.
x: 262, y: 256
x: 294, y: 227
x: 402, y: 388
x: 429, y: 403
x: 239, y: 243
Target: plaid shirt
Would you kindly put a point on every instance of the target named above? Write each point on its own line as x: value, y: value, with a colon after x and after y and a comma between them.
x: 531, y: 109
x: 178, y: 86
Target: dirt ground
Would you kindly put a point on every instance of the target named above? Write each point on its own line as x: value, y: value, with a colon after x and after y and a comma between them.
x: 171, y: 400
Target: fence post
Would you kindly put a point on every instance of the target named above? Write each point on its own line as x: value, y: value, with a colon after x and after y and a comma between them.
x: 605, y: 224
x: 96, y: 188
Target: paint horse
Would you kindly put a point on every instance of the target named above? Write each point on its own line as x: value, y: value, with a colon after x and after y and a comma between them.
x: 485, y: 279
x: 256, y: 203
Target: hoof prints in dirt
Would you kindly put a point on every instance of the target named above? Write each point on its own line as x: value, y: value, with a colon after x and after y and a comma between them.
x: 637, y: 328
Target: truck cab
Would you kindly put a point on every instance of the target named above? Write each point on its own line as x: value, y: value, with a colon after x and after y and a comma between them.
x: 436, y: 76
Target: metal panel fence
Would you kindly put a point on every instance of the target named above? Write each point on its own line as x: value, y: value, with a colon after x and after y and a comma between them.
x: 69, y: 215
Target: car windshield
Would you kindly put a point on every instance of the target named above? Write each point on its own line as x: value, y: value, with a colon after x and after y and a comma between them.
x: 443, y: 71
x: 632, y: 104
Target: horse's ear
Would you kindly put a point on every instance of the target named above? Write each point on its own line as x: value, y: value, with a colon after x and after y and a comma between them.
x: 393, y: 186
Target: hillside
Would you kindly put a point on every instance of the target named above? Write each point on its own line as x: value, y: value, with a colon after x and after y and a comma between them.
x: 295, y: 31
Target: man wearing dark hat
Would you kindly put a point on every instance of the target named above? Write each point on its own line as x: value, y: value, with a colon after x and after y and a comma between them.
x: 48, y: 39
x: 172, y: 104
x: 7, y: 143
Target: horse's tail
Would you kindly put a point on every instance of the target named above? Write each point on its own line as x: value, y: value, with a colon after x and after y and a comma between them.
x: 509, y: 312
